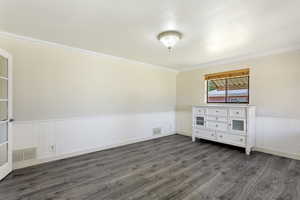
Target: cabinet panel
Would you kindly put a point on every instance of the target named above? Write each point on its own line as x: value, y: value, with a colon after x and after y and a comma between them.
x: 232, y: 139
x: 206, y: 134
x: 217, y: 118
x: 217, y: 126
x: 199, y: 111
x: 237, y: 112
x: 217, y: 111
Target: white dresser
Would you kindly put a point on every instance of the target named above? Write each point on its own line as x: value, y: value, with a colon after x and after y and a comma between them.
x: 229, y: 124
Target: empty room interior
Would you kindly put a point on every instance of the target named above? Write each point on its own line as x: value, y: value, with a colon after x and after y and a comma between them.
x: 149, y: 100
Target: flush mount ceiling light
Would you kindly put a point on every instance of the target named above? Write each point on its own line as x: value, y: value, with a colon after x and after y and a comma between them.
x: 169, y: 38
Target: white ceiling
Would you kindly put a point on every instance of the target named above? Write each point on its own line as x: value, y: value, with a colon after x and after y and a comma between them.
x: 213, y: 30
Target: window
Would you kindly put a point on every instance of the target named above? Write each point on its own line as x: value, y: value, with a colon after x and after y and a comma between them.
x: 228, y: 87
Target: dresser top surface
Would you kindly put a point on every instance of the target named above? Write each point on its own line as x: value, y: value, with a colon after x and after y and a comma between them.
x: 225, y: 105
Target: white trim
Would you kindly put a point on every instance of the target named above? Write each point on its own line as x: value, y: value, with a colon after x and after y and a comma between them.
x: 278, y: 153
x: 184, y: 133
x: 4, y: 78
x: 4, y: 122
x: 60, y: 119
x: 4, y: 143
x: 236, y: 59
x: 19, y: 165
x: 200, y: 66
x: 84, y: 51
x: 7, y: 168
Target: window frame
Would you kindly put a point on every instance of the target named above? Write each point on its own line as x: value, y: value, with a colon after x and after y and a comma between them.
x: 226, y: 91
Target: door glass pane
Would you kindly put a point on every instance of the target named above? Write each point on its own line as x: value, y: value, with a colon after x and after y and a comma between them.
x: 3, y: 66
x: 237, y: 89
x: 3, y: 154
x: 3, y: 89
x: 238, y: 125
x: 3, y: 133
x: 200, y: 121
x: 3, y: 110
x: 216, y: 91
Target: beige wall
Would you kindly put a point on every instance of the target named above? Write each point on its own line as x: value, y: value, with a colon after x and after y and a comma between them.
x: 52, y: 82
x: 274, y: 87
x: 129, y: 99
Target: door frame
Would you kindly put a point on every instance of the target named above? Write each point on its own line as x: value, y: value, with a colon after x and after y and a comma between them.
x: 7, y: 168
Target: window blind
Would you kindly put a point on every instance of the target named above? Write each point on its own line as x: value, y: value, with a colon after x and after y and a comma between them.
x: 228, y: 74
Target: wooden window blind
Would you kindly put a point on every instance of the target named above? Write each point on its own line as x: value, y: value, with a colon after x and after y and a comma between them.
x: 228, y: 74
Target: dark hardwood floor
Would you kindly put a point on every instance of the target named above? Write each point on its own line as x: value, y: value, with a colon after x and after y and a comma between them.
x: 167, y: 168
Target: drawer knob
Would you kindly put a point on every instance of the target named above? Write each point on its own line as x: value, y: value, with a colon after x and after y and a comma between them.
x: 217, y: 118
x: 241, y: 140
x: 237, y: 112
x: 221, y: 136
x: 212, y: 134
x: 217, y: 125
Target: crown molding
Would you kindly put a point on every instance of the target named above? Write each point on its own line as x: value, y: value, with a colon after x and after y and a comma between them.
x: 236, y: 59
x: 83, y: 51
x: 225, y: 61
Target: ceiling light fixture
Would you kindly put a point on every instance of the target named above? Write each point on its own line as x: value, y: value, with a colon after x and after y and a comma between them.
x: 169, y: 38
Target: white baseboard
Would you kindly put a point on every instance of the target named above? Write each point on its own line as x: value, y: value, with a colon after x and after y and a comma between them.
x: 278, y: 153
x: 29, y: 163
x: 184, y: 133
x: 260, y: 149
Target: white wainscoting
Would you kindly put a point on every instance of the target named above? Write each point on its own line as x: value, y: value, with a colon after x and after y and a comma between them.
x: 278, y: 136
x: 61, y: 138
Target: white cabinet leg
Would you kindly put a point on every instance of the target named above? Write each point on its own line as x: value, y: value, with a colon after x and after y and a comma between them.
x: 193, y: 138
x: 248, y: 150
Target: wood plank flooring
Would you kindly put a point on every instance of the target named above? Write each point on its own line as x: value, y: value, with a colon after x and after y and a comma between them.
x: 167, y: 168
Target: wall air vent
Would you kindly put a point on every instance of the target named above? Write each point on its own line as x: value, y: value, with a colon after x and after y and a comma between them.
x: 156, y: 131
x: 24, y: 154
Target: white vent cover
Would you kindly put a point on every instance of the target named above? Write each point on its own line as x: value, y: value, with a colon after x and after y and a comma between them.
x: 24, y: 154
x: 156, y: 131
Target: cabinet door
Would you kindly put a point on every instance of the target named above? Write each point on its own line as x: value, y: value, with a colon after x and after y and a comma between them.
x: 238, y: 125
x: 199, y: 122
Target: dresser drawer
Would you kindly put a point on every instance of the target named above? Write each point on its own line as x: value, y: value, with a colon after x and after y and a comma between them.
x: 199, y: 111
x: 216, y: 118
x: 217, y: 111
x: 237, y: 112
x: 232, y: 139
x: 217, y: 126
x: 206, y: 134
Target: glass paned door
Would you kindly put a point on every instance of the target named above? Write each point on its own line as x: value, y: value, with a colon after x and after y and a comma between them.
x: 5, y: 112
